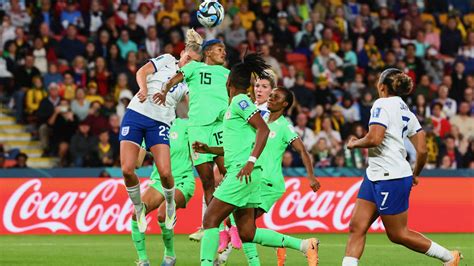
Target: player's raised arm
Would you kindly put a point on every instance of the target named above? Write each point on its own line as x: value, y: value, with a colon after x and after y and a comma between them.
x: 160, y: 97
x: 298, y: 145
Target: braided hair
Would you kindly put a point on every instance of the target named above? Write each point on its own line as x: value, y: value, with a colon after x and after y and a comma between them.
x: 241, y: 73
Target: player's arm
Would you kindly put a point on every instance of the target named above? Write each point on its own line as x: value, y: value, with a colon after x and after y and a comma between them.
x: 256, y: 121
x: 141, y: 75
x: 160, y: 97
x: 298, y: 145
x: 373, y: 138
x: 200, y: 147
x: 419, y: 142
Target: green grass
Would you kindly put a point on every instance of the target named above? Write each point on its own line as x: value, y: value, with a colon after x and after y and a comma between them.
x: 118, y: 250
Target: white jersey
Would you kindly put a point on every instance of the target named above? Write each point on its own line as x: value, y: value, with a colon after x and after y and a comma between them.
x: 166, y: 66
x: 388, y: 160
x: 264, y: 112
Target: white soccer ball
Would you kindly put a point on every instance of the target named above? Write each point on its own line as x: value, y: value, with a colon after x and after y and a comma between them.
x: 210, y: 13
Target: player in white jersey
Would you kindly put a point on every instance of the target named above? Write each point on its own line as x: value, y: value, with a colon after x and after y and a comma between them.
x: 387, y: 184
x: 262, y: 89
x: 145, y: 120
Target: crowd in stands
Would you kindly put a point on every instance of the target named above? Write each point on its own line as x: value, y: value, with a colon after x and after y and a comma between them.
x: 67, y: 68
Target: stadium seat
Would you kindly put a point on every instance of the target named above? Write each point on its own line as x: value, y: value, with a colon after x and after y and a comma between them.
x: 293, y: 58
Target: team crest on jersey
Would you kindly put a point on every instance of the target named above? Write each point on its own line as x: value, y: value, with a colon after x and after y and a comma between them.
x: 243, y: 104
x: 173, y: 135
x: 376, y: 112
x: 272, y: 134
x: 125, y: 131
x: 227, y: 115
x: 195, y: 155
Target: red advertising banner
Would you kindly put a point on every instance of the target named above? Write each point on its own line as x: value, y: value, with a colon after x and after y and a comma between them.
x: 101, y: 206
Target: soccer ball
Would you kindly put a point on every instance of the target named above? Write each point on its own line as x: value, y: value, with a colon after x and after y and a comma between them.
x: 210, y: 13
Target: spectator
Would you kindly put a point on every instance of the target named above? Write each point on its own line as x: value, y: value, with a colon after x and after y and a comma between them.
x: 184, y: 24
x: 177, y: 42
x: 67, y: 89
x: 460, y: 141
x: 283, y: 37
x: 425, y: 88
x: 305, y: 37
x: 355, y: 87
x: 80, y: 106
x: 53, y: 76
x: 449, y: 149
x: 102, y: 44
x: 464, y: 120
x: 18, y: 14
x: 145, y: 18
x: 125, y: 44
x: 95, y: 120
x: 39, y: 53
x: 63, y: 123
x: 110, y: 27
x: 322, y: 153
x: 451, y: 38
x: 7, y: 31
x: 169, y: 10
x: 82, y: 146
x: 434, y: 66
x: 90, y: 55
x: 79, y: 71
x: 469, y: 98
x: 420, y: 44
x: 114, y: 129
x: 70, y: 45
x: 124, y: 99
x: 331, y: 136
x: 135, y: 31
x: 421, y: 108
x: 305, y: 133
x: 287, y: 160
x: 303, y: 95
x: 432, y: 146
x: 290, y: 80
x: 432, y: 36
x: 152, y: 43
x: 441, y: 125
x: 94, y: 19
x: 323, y: 96
x: 22, y: 43
x: 458, y: 77
x: 34, y: 96
x: 320, y: 63
x: 270, y: 60
x: 468, y: 158
x: 71, y: 16
x: 350, y: 109
x: 92, y: 93
x: 44, y: 113
x: 25, y: 73
x: 235, y: 34
x: 246, y: 16
x: 327, y: 39
x: 20, y: 160
x: 349, y: 60
x: 384, y: 34
x: 467, y: 51
x: 130, y: 69
x: 449, y: 105
x: 446, y: 163
x: 102, y: 76
x: 353, y: 158
x: 105, y: 152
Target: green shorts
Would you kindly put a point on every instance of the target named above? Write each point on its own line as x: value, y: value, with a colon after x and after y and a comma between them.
x: 185, y: 184
x: 209, y: 134
x: 268, y: 196
x: 237, y: 193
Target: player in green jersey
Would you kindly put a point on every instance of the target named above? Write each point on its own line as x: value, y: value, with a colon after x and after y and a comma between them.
x: 208, y: 101
x: 239, y: 191
x: 153, y: 198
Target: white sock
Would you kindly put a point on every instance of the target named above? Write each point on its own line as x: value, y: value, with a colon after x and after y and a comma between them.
x: 350, y: 261
x: 304, y: 245
x: 439, y: 252
x: 204, y: 208
x: 135, y: 196
x: 169, y: 197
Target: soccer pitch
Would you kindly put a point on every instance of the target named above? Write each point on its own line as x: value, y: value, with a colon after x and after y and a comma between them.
x: 118, y: 250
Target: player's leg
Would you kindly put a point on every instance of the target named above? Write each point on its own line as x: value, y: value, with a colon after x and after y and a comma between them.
x: 364, y: 214
x: 393, y: 207
x: 169, y: 257
x: 216, y: 212
x: 151, y: 199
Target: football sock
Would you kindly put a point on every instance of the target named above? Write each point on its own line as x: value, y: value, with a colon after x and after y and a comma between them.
x: 209, y: 245
x: 251, y: 253
x: 232, y: 220
x: 350, y: 261
x: 270, y: 238
x: 204, y: 208
x: 169, y: 197
x: 135, y: 196
x: 138, y: 241
x: 439, y: 252
x: 168, y: 240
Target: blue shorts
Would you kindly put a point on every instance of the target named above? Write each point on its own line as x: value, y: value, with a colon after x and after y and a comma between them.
x: 390, y: 196
x: 136, y: 127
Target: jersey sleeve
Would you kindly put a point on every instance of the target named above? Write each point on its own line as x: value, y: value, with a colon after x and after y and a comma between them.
x: 243, y: 107
x: 413, y: 125
x: 189, y: 69
x: 162, y: 61
x: 379, y: 114
x: 290, y: 134
x: 182, y: 92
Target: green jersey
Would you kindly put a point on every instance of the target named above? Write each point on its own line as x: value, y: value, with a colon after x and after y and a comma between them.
x: 208, y: 97
x: 181, y: 164
x: 239, y: 135
x: 281, y: 135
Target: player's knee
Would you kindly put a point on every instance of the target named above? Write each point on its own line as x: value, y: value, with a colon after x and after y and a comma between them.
x: 396, y: 236
x: 128, y: 171
x: 356, y: 228
x: 247, y: 234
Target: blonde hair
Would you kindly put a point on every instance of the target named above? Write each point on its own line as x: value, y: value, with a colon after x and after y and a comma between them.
x: 193, y: 41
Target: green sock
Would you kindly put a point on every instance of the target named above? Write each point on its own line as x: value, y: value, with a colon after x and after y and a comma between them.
x: 232, y: 220
x: 274, y: 239
x: 251, y: 253
x: 168, y: 240
x: 139, y: 241
x: 209, y: 245
x: 222, y: 226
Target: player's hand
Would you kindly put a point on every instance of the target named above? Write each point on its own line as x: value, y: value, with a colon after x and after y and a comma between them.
x: 200, y: 147
x: 160, y: 98
x: 351, y: 143
x: 246, y: 173
x: 141, y: 94
x: 314, y: 184
x: 415, y: 181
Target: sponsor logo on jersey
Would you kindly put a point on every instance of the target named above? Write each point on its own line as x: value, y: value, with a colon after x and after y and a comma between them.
x: 272, y: 134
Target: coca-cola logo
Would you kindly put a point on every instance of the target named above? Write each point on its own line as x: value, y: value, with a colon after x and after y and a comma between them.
x: 328, y: 210
x: 29, y: 208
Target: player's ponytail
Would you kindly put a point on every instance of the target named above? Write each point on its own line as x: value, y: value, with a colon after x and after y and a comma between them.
x: 193, y: 41
x: 397, y: 82
x: 241, y: 73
